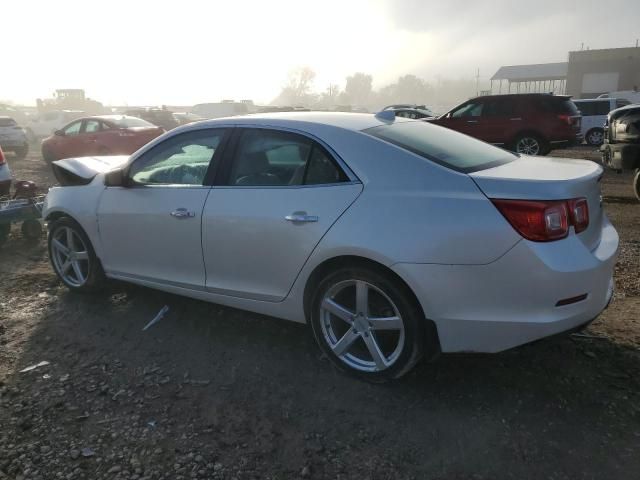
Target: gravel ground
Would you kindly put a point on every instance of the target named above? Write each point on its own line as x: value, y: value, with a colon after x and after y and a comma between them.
x: 213, y: 392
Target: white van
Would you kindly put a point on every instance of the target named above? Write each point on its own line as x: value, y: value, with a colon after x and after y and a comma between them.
x: 44, y: 124
x: 633, y: 96
x: 594, y: 114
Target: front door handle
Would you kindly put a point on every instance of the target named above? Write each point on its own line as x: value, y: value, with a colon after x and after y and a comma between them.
x: 301, y: 217
x: 182, y: 213
x: 472, y: 121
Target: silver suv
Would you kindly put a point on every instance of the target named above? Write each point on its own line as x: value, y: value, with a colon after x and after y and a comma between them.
x: 12, y: 138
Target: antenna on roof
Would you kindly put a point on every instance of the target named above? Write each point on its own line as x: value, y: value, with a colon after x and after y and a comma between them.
x: 387, y: 115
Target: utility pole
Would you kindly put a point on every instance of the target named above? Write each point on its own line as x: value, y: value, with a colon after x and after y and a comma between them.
x: 477, y: 82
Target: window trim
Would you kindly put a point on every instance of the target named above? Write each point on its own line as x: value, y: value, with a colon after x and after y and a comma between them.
x: 211, y: 169
x: 224, y: 170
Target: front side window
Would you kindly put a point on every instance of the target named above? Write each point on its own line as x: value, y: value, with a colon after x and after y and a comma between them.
x: 275, y: 158
x: 443, y: 146
x: 180, y: 160
x: 472, y: 109
x: 73, y: 129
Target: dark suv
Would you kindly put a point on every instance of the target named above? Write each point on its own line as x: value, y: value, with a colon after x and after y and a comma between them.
x: 530, y: 123
x: 621, y: 148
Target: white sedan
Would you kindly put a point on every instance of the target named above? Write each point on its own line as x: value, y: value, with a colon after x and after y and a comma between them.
x: 395, y: 239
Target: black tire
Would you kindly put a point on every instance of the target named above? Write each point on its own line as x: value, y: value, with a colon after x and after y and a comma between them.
x: 95, y: 277
x: 594, y: 137
x: 5, y: 229
x: 47, y: 155
x: 414, y: 344
x: 21, y: 152
x: 636, y: 184
x: 31, y: 137
x: 31, y: 229
x: 528, y: 143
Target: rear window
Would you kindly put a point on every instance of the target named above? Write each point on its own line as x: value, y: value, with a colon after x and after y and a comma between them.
x: 131, y: 122
x: 443, y: 146
x: 593, y: 108
x: 7, y: 122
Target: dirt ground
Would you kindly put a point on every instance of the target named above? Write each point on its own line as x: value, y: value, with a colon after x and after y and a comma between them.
x: 212, y: 392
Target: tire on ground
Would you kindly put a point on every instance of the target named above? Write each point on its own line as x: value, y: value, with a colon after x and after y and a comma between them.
x: 416, y: 344
x: 95, y: 274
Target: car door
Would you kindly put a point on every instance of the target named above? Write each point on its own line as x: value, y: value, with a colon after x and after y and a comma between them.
x: 280, y: 193
x: 464, y: 118
x: 498, y: 122
x: 150, y: 229
x: 89, y: 136
x: 66, y: 143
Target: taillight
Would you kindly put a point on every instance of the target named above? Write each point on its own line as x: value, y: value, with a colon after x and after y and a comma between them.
x: 544, y: 221
x: 579, y: 214
x: 2, y: 159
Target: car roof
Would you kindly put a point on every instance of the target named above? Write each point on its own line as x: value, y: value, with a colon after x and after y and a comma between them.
x: 343, y: 120
x: 513, y: 95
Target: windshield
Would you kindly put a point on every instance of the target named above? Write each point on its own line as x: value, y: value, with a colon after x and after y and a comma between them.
x: 131, y: 122
x: 443, y: 146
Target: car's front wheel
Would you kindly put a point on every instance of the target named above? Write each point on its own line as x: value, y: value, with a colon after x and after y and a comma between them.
x: 47, y: 154
x: 595, y: 137
x: 72, y: 256
x: 367, y: 323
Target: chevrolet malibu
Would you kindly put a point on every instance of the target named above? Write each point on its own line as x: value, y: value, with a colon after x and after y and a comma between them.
x: 394, y: 239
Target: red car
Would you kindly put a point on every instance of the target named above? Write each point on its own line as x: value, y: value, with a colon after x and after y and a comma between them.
x: 99, y: 135
x: 530, y: 123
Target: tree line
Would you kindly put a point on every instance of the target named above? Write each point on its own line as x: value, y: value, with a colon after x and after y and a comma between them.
x: 358, y: 92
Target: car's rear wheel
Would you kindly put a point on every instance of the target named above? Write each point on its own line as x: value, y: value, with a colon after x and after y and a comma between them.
x: 530, y: 144
x: 367, y: 323
x: 72, y: 256
x: 636, y: 184
x: 595, y: 137
x: 21, y: 152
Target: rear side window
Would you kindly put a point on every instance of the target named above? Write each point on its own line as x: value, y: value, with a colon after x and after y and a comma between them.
x: 498, y: 108
x: 622, y: 102
x: 559, y: 105
x: 275, y: 158
x: 443, y: 146
x: 7, y: 122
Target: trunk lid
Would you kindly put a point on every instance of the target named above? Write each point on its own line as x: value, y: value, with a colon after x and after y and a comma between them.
x: 541, y: 178
x: 81, y: 170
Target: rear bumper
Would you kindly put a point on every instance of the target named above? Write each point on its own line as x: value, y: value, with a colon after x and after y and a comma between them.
x: 512, y: 301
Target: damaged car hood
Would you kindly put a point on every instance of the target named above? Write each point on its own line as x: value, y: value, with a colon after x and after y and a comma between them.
x: 81, y: 170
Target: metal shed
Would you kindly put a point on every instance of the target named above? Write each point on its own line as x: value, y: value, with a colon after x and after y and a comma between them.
x: 537, y: 78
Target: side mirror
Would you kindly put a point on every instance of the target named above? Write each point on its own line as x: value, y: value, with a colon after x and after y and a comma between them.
x: 115, y: 178
x: 59, y: 133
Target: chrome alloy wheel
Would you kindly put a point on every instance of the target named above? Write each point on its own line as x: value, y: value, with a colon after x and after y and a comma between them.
x: 528, y: 146
x: 70, y: 256
x: 362, y: 326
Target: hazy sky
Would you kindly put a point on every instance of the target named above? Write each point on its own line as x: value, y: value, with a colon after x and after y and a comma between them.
x: 188, y: 51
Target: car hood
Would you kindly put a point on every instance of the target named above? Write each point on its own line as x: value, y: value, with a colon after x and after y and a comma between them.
x: 81, y: 170
x: 89, y: 167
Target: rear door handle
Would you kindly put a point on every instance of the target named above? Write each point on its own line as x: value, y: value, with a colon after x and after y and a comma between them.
x: 301, y: 217
x: 515, y: 119
x: 472, y: 121
x: 182, y: 213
